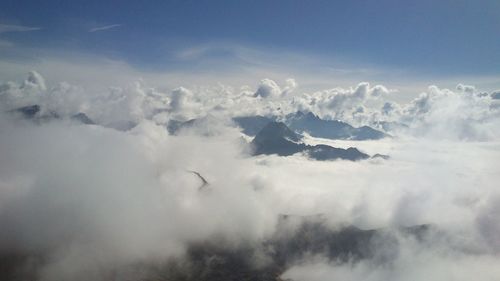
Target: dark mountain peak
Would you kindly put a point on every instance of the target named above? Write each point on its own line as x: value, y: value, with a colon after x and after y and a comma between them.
x: 28, y: 111
x: 301, y: 115
x: 82, y: 118
x: 174, y: 126
x: 276, y: 130
x: 251, y: 125
x: 325, y: 152
x: 330, y: 129
x: 311, y: 115
x: 35, y: 113
x: 382, y: 156
x: 277, y: 138
x: 298, y: 114
x: 206, y: 126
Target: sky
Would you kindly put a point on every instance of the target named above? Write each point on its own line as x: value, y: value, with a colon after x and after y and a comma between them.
x: 425, y: 72
x: 368, y: 40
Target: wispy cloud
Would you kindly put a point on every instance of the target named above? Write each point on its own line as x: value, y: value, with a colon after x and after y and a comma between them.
x: 106, y: 27
x: 16, y: 28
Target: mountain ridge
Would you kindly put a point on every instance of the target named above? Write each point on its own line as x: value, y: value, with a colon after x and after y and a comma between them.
x: 311, y: 124
x: 277, y: 138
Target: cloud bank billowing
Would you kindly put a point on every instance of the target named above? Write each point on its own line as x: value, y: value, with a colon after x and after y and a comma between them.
x: 464, y: 113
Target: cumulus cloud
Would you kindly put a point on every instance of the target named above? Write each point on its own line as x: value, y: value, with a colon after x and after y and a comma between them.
x: 29, y: 92
x: 178, y: 102
x: 466, y: 88
x: 291, y: 85
x: 466, y: 114
x: 339, y: 103
x: 268, y: 88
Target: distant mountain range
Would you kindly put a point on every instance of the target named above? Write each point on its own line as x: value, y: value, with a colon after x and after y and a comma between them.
x: 271, y: 136
x: 37, y: 115
x: 34, y: 113
x: 330, y: 129
x: 298, y: 122
x: 277, y: 138
x: 311, y: 124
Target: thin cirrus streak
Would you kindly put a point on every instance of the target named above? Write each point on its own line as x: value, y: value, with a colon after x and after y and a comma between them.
x: 4, y: 28
x: 106, y: 27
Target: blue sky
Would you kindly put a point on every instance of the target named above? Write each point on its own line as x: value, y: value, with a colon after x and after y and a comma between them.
x: 443, y: 38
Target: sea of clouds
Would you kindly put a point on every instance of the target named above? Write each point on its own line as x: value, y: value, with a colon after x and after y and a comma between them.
x: 93, y: 197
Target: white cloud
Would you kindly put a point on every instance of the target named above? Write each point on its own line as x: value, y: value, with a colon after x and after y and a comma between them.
x: 268, y: 88
x: 179, y: 98
x: 443, y: 113
x: 465, y: 114
x: 466, y: 88
x: 291, y: 85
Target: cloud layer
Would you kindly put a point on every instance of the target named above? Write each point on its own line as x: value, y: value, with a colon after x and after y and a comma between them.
x: 463, y: 113
x: 92, y: 197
